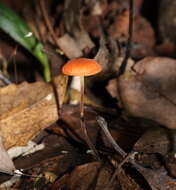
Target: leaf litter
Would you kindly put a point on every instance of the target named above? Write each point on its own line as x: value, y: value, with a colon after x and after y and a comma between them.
x: 138, y: 106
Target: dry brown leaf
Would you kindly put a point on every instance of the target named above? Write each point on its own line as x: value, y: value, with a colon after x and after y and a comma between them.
x: 69, y: 46
x: 155, y: 140
x: 90, y: 176
x: 166, y: 20
x: 74, y: 25
x: 143, y: 34
x: 71, y: 117
x: 97, y: 176
x: 158, y: 180
x: 166, y: 48
x: 26, y: 109
x: 150, y: 92
x: 6, y: 164
x: 119, y: 28
x: 126, y: 182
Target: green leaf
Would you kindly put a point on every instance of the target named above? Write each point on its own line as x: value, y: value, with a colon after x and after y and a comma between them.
x: 16, y: 27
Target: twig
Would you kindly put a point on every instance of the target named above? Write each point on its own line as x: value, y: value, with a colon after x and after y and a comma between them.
x: 14, y: 63
x: 56, y: 96
x: 48, y: 23
x: 103, y: 124
x: 129, y: 42
x: 126, y: 157
x: 20, y: 173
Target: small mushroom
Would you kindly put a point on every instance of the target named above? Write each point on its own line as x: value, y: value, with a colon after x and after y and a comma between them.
x: 82, y: 67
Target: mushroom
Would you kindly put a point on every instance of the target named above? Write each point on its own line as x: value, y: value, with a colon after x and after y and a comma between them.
x: 82, y: 67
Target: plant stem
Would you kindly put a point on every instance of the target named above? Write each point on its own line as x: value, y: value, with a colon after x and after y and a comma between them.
x: 82, y: 119
x: 82, y: 98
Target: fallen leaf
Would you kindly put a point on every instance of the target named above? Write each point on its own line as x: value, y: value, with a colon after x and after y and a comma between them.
x: 90, y: 176
x: 166, y: 20
x: 119, y: 28
x: 93, y: 26
x: 71, y: 117
x: 69, y: 46
x: 124, y: 133
x: 155, y: 140
x: 126, y: 182
x: 112, y: 85
x: 26, y: 109
x: 58, y: 158
x: 158, y: 180
x: 151, y: 160
x: 143, y: 34
x: 167, y: 48
x: 74, y: 25
x: 149, y: 92
x: 6, y: 164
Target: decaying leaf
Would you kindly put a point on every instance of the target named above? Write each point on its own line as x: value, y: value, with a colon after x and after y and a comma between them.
x: 150, y: 91
x: 155, y: 140
x: 71, y: 117
x: 69, y: 46
x: 26, y: 109
x: 127, y: 182
x: 166, y: 20
x: 74, y: 25
x: 90, y: 176
x: 143, y: 34
x: 158, y: 179
x: 6, y: 164
x: 119, y: 28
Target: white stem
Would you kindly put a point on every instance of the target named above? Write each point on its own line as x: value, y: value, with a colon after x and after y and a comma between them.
x: 75, y: 83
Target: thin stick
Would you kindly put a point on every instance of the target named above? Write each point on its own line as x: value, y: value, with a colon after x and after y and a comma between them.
x: 14, y: 64
x: 56, y: 96
x: 48, y: 22
x: 20, y: 173
x: 127, y: 157
x: 103, y: 124
x: 129, y: 42
x: 53, y: 35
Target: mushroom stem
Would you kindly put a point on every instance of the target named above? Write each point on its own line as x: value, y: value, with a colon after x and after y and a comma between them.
x: 82, y: 97
x: 82, y: 120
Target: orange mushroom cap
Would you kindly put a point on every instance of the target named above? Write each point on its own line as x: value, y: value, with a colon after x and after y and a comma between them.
x: 81, y: 67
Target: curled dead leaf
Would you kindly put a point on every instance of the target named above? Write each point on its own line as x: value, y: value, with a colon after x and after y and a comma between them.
x: 150, y: 91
